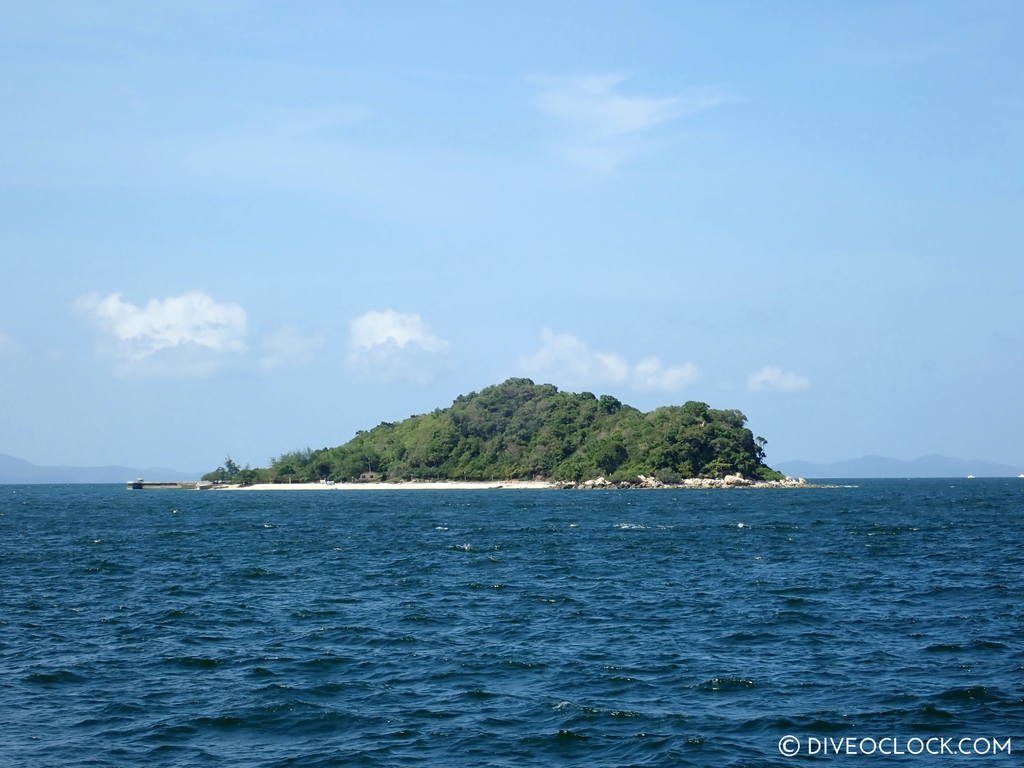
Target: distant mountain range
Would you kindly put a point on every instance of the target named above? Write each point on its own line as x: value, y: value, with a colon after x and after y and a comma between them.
x: 14, y: 470
x: 882, y: 466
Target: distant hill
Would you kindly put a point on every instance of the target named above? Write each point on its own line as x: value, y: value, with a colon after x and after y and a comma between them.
x: 518, y: 429
x: 882, y: 466
x: 14, y: 470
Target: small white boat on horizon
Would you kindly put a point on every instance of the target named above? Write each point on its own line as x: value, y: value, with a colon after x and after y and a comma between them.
x: 970, y: 477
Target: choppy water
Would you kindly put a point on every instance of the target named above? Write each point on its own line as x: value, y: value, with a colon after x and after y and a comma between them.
x: 501, y: 628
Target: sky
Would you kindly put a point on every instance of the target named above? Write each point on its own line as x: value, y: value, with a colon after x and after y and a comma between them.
x: 232, y: 227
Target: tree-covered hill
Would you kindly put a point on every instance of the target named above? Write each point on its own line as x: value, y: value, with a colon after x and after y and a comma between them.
x: 520, y: 430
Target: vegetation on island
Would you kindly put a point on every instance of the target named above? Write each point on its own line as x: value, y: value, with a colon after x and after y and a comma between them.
x: 521, y: 430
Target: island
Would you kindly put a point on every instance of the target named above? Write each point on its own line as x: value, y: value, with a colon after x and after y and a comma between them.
x: 527, y: 435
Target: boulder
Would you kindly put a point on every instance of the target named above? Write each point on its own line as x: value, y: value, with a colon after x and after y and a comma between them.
x: 735, y: 481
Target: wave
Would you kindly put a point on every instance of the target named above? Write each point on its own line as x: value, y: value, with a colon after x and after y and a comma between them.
x: 57, y: 677
x: 972, y: 693
x: 726, y: 684
x: 193, y: 662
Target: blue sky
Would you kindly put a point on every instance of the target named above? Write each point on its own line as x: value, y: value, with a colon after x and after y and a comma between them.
x: 243, y: 227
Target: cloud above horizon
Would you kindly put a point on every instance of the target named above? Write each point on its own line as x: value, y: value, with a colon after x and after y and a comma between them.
x: 569, y: 361
x: 177, y: 337
x: 602, y: 128
x: 774, y: 379
x: 394, y: 345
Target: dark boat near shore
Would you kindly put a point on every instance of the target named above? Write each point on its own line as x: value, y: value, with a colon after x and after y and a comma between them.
x: 139, y: 484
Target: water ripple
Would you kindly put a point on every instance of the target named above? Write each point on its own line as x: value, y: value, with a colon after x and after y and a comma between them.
x: 514, y: 629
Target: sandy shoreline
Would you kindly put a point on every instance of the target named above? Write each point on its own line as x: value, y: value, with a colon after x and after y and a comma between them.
x: 532, y: 485
x: 448, y: 485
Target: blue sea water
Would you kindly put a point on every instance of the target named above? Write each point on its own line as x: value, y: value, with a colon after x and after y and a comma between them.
x: 507, y: 628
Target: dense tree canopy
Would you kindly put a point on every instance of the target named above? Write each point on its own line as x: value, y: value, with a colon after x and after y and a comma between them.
x: 519, y: 429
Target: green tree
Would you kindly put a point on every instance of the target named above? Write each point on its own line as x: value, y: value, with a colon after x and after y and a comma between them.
x: 610, y: 455
x: 518, y: 429
x: 247, y: 476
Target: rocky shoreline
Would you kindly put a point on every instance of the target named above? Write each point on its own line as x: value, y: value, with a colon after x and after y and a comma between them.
x: 729, y: 481
x: 600, y: 483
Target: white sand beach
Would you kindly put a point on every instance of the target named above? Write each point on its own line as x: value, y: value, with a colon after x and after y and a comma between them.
x: 452, y: 485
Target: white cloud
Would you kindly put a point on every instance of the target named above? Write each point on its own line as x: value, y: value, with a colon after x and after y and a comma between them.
x: 602, y: 127
x: 774, y: 378
x: 590, y: 102
x: 380, y: 328
x: 570, y: 362
x: 394, y: 345
x: 650, y: 373
x: 180, y: 336
x: 192, y: 318
x: 573, y: 362
x: 288, y: 347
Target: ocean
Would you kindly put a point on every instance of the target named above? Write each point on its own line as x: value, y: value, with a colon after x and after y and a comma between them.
x: 513, y: 628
